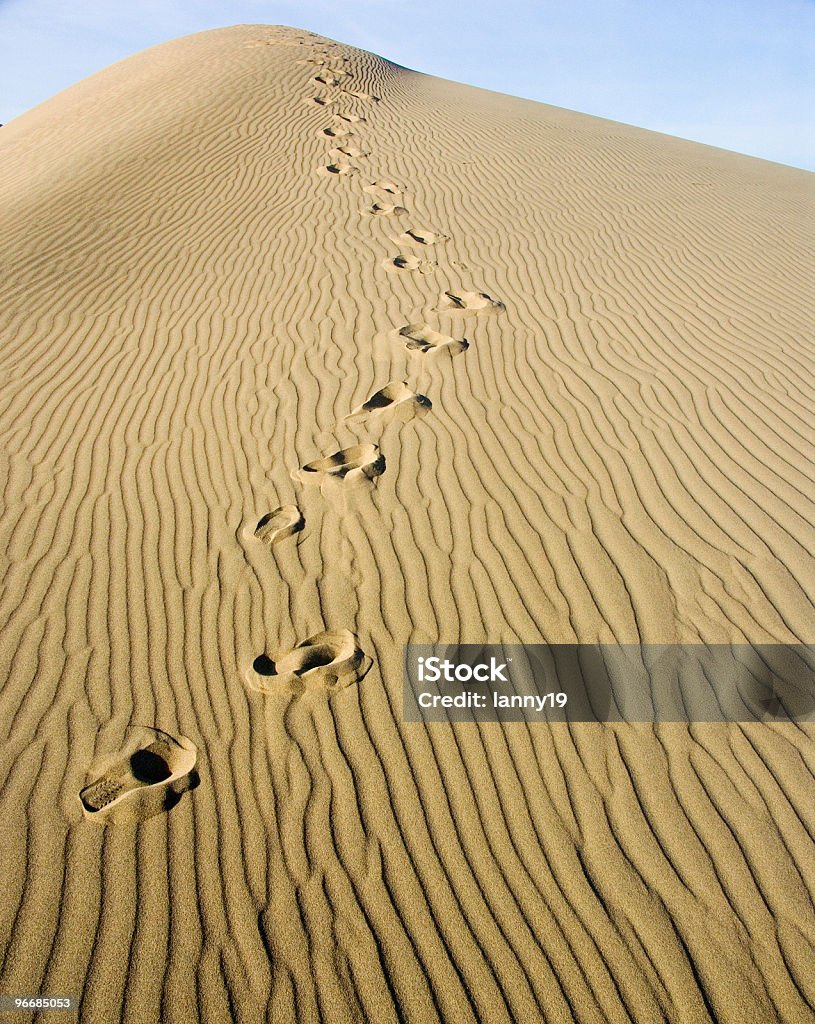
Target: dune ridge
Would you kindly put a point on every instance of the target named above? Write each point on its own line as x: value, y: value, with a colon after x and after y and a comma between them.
x: 614, y: 341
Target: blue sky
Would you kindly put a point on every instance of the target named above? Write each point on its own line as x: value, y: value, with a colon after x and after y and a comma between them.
x: 733, y: 73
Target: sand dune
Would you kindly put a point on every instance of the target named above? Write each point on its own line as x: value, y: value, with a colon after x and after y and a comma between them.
x: 196, y: 326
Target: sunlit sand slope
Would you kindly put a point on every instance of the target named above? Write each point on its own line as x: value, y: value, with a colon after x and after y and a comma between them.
x: 305, y: 356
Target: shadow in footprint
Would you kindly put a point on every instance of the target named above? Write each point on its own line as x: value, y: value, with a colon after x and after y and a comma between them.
x: 421, y: 338
x: 147, y: 778
x: 395, y: 401
x: 326, y: 662
x: 359, y: 463
x: 469, y: 304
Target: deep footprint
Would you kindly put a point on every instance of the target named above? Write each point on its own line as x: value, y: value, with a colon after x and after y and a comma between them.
x: 423, y: 339
x: 327, y: 662
x: 146, y: 780
x: 279, y: 524
x: 394, y: 401
x: 470, y: 303
x: 357, y: 463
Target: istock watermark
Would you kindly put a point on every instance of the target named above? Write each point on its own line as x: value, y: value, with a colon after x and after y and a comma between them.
x: 609, y: 683
x: 433, y: 669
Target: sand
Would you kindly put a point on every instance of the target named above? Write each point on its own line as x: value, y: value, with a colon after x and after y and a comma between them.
x: 222, y: 301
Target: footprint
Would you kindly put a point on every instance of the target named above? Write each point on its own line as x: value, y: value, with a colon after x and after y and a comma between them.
x: 357, y: 463
x: 408, y: 262
x: 422, y: 338
x: 389, y: 188
x: 337, y: 131
x: 349, y: 151
x: 394, y: 401
x: 386, y: 210
x: 328, y: 78
x: 350, y: 118
x: 320, y: 101
x: 366, y: 97
x: 475, y: 303
x: 328, y: 661
x: 338, y: 168
x: 277, y: 525
x: 421, y: 237
x: 147, y: 778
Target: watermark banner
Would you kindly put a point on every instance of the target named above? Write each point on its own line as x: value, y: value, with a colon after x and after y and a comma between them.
x: 609, y: 683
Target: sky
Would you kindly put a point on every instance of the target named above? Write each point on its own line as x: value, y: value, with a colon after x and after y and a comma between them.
x: 739, y: 74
